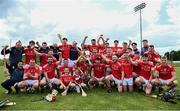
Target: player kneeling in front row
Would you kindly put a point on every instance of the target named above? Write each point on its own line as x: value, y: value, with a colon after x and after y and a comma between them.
x: 66, y: 81
x: 77, y: 79
x: 117, y: 73
x: 165, y: 75
x: 16, y: 75
x: 31, y: 74
x: 97, y: 73
x: 49, y: 75
x: 127, y: 66
x: 145, y: 75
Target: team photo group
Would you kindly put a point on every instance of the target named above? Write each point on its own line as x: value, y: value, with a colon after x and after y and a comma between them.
x: 79, y: 67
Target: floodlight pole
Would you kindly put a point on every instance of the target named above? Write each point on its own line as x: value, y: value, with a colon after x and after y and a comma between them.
x: 140, y: 28
x: 139, y: 8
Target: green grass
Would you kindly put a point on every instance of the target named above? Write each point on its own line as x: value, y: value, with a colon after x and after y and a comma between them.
x: 97, y: 99
x: 176, y: 64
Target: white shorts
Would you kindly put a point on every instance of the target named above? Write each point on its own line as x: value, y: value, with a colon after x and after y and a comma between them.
x: 128, y: 81
x: 70, y: 63
x: 53, y: 80
x: 77, y: 89
x: 144, y: 80
x: 31, y: 82
x: 99, y: 79
x: 117, y: 81
x: 134, y: 74
x: 164, y: 82
x: 108, y: 69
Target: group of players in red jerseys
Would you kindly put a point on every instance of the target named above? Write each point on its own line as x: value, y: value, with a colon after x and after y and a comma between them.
x: 66, y: 65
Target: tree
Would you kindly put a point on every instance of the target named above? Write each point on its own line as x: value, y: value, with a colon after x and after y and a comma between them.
x: 173, y: 55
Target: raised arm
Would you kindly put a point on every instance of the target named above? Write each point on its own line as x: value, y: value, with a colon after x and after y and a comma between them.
x: 5, y: 50
x: 157, y: 59
x: 83, y: 43
x: 133, y: 62
x: 79, y: 58
x: 105, y: 58
x: 37, y: 53
x: 101, y: 38
x: 60, y: 37
x: 37, y: 43
x: 107, y: 39
x: 79, y: 50
x: 130, y: 42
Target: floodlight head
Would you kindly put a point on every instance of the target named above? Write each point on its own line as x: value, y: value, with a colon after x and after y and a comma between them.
x: 139, y: 7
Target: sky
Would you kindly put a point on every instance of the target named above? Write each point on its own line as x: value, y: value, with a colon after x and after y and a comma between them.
x: 41, y: 20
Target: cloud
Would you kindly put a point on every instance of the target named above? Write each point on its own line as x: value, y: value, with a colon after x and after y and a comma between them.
x: 173, y: 10
x: 81, y: 14
x: 40, y: 20
x: 6, y: 6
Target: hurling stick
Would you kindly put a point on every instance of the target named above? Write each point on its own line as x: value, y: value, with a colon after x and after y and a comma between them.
x: 47, y: 80
x: 83, y: 92
x: 4, y: 62
x: 10, y: 104
x: 4, y: 102
x: 65, y: 91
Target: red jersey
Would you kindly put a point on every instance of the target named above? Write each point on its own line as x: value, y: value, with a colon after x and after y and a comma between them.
x: 116, y: 69
x: 99, y: 70
x: 77, y: 79
x: 44, y: 58
x: 65, y: 50
x: 33, y: 71
x: 127, y: 68
x: 145, y: 69
x: 102, y: 48
x: 62, y: 68
x: 50, y: 70
x: 136, y: 69
x: 92, y: 47
x: 29, y: 54
x: 165, y: 71
x: 152, y: 56
x: 115, y: 49
x: 82, y: 65
x: 93, y: 57
x: 66, y: 79
x: 131, y: 55
x: 120, y: 52
x: 109, y: 56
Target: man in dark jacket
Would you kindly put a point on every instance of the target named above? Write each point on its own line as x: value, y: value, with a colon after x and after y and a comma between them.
x: 16, y: 75
x: 56, y: 50
x: 15, y: 54
x: 44, y: 48
x: 145, y: 47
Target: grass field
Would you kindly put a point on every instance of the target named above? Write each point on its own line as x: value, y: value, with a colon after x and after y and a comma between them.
x: 97, y: 99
